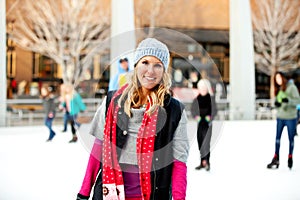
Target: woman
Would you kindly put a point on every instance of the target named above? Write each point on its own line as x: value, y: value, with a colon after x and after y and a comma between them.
x: 147, y: 129
x: 49, y: 105
x: 204, y: 110
x: 73, y: 104
x: 287, y: 98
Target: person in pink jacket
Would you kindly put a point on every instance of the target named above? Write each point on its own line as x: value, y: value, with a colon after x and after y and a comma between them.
x: 141, y: 146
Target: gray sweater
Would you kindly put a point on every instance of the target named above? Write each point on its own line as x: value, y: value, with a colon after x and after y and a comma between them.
x: 49, y: 104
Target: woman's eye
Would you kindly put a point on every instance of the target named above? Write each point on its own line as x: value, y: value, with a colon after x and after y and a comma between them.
x: 158, y: 65
x: 145, y: 62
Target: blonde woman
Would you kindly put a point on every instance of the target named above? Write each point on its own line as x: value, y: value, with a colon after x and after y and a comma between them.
x: 141, y: 135
x: 73, y: 104
x: 203, y: 110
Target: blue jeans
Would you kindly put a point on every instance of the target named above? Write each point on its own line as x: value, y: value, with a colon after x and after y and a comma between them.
x: 291, y: 126
x: 48, y: 123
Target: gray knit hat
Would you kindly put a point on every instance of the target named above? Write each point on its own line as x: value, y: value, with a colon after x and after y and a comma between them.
x: 152, y: 47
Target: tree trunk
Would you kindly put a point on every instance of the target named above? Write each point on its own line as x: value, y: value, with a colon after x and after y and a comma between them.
x: 272, y: 86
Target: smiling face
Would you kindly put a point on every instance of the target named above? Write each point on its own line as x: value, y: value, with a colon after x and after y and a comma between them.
x: 150, y: 72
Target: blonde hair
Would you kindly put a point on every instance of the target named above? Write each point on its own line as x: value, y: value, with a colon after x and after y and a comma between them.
x: 133, y: 92
x: 68, y: 89
x: 207, y: 84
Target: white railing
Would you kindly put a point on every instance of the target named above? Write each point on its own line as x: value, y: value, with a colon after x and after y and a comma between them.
x: 263, y: 109
x: 31, y: 109
x: 34, y: 111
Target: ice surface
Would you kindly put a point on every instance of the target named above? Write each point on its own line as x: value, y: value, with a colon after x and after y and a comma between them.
x: 32, y: 169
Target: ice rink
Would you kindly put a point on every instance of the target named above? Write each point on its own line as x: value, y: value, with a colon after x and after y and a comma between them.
x: 32, y: 169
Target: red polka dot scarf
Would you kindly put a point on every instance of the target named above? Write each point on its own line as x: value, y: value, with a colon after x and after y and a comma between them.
x: 113, y: 185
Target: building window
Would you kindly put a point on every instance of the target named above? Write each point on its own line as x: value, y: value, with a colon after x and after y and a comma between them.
x: 262, y: 85
x: 10, y: 58
x: 47, y: 68
x: 44, y: 68
x: 186, y: 72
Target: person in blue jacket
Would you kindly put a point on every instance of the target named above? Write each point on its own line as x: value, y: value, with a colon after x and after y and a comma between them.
x: 120, y: 78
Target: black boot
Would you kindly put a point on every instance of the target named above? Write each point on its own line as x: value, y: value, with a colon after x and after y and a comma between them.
x: 290, y: 162
x: 74, y: 139
x: 275, y: 162
x: 200, y: 166
x: 206, y: 165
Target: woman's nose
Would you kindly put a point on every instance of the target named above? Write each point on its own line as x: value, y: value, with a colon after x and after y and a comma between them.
x: 150, y: 68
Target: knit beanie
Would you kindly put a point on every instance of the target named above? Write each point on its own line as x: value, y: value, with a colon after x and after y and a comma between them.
x: 152, y: 47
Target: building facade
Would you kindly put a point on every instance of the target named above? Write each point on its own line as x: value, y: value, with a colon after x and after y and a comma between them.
x: 207, y: 22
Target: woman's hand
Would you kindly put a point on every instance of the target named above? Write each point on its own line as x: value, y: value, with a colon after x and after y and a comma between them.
x: 277, y: 104
x: 50, y: 115
x: 208, y: 118
x: 285, y: 100
x: 198, y: 118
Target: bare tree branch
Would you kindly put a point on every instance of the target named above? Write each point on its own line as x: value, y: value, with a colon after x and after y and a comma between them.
x: 276, y: 35
x: 70, y: 32
x: 154, y: 13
